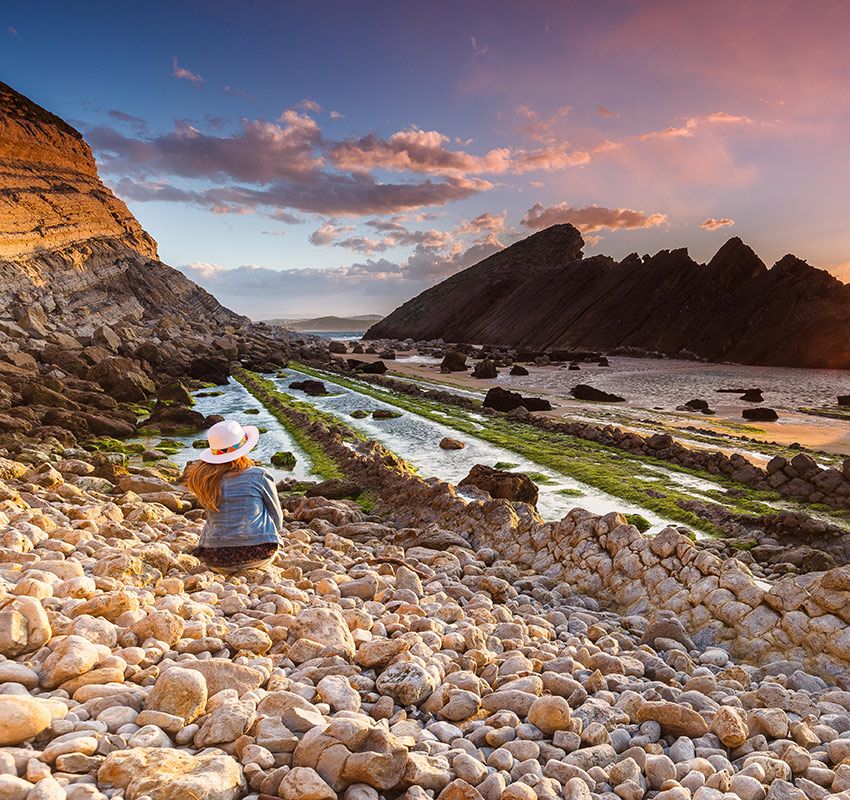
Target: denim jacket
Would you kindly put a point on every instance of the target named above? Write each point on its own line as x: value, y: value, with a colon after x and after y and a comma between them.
x: 249, y: 511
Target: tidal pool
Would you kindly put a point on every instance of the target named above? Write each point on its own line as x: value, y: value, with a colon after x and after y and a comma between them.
x: 416, y: 439
x: 232, y: 403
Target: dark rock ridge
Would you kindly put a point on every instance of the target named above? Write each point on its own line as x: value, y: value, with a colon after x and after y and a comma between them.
x: 541, y: 294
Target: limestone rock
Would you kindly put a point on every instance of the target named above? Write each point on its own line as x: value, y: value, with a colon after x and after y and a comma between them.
x: 168, y: 774
x: 23, y: 717
x: 324, y: 625
x: 304, y: 783
x: 181, y: 692
x: 675, y: 719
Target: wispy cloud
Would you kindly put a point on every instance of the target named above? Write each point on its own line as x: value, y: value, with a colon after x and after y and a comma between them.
x: 379, y: 284
x: 239, y: 93
x: 478, y: 50
x: 137, y: 124
x: 692, y: 124
x: 712, y: 224
x: 590, y: 219
x: 12, y: 31
x: 183, y: 74
x: 604, y: 111
x: 538, y: 128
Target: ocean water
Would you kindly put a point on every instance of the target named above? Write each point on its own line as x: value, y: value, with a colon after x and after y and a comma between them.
x: 340, y: 336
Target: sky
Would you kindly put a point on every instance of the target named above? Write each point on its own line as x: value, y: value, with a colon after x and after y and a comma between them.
x: 299, y: 159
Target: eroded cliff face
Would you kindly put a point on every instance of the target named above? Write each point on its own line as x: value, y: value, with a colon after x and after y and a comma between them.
x: 92, y: 324
x: 67, y: 244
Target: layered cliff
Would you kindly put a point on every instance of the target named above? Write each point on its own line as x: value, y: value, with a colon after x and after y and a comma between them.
x: 90, y: 318
x: 67, y: 244
x: 541, y: 294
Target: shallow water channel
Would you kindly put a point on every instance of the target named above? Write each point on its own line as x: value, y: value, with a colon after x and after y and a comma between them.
x: 232, y: 403
x: 416, y: 439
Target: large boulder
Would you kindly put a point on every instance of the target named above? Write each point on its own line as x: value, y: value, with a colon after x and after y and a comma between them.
x: 122, y: 378
x: 310, y: 387
x: 213, y: 369
x: 23, y: 717
x: 485, y: 369
x: 453, y: 361
x: 500, y: 399
x: 174, y: 392
x: 760, y: 414
x: 164, y: 773
x: 585, y: 392
x: 500, y: 484
x: 174, y: 419
x: 375, y: 368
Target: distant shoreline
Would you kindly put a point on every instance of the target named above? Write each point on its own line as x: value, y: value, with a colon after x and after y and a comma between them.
x: 354, y: 324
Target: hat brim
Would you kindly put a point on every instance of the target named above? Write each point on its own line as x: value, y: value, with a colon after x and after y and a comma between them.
x: 253, y: 437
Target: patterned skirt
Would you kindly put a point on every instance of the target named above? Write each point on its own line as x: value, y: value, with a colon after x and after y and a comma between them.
x: 233, y: 559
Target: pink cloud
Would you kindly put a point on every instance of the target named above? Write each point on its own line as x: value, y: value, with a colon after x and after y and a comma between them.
x: 712, y: 224
x: 541, y: 129
x: 329, y: 232
x: 260, y: 152
x: 239, y: 93
x: 693, y: 124
x: 183, y: 74
x: 415, y: 151
x: 590, y: 218
x: 484, y: 223
x: 427, y: 151
x: 604, y: 111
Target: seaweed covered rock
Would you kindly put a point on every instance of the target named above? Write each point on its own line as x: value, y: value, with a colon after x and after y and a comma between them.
x: 284, y: 460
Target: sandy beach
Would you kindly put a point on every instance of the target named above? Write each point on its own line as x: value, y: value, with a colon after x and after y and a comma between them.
x: 810, y: 431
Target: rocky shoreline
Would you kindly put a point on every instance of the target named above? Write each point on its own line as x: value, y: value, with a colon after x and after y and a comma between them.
x: 438, y: 647
x: 423, y: 645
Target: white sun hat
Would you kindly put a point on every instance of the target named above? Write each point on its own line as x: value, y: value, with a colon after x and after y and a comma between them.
x: 228, y: 440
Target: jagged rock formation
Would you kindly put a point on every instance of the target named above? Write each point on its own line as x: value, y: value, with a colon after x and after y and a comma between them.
x: 89, y: 315
x: 541, y: 294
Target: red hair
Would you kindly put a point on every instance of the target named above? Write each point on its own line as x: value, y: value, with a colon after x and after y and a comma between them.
x: 204, y: 480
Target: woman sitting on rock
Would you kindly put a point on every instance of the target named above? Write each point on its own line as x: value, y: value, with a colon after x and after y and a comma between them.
x: 243, y: 509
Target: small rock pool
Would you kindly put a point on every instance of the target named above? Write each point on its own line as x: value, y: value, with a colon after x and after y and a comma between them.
x: 232, y: 401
